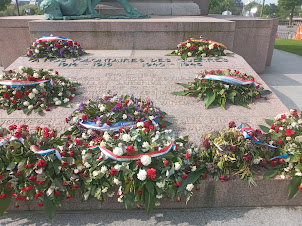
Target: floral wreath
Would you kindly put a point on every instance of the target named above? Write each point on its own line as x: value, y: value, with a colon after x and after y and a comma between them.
x: 35, y: 90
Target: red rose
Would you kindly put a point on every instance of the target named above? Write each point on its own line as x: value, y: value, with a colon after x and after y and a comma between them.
x: 119, y: 105
x: 52, y: 134
x: 27, y: 92
x: 69, y: 43
x: 166, y: 163
x: 126, y: 102
x: 272, y: 163
x: 84, y: 175
x: 185, y: 176
x: 177, y: 184
x: 139, y: 191
x: 32, y: 178
x: 163, y: 125
x: 31, y: 78
x: 151, y: 173
x: 41, y: 163
x: 71, y: 153
x: 204, y: 175
x: 45, y: 135
x: 206, y: 144
x: 108, y: 122
x: 247, y: 157
x: 40, y: 204
x: 12, y: 127
x: 223, y: 178
x: 187, y: 155
x: 146, y: 109
x: 281, y: 161
x: 280, y: 142
x: 289, y: 132
x: 78, y: 142
x: 58, y: 45
x: 1, y: 176
x: 113, y: 171
x: 300, y: 188
x: 18, y: 174
x: 19, y: 95
x: 192, y: 48
x: 84, y: 117
x: 295, y: 114
x: 146, y: 124
x: 75, y: 187
x: 64, y: 163
x: 39, y: 182
x: 6, y: 95
x: 130, y: 149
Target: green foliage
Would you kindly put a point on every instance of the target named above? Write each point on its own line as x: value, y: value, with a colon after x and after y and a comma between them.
x: 3, y: 4
x: 218, y: 6
x: 11, y: 10
x: 290, y: 5
x: 293, y: 189
x: 252, y: 5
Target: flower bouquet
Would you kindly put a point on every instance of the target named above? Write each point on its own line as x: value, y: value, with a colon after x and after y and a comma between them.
x: 112, y: 112
x: 31, y: 90
x: 54, y: 47
x: 235, y: 150
x: 218, y: 87
x: 199, y: 48
x: 285, y: 131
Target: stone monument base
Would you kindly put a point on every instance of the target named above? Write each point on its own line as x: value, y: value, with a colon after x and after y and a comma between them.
x: 253, y: 38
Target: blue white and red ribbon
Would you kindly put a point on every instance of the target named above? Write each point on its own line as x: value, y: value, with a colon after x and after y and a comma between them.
x: 280, y: 157
x: 111, y: 155
x: 22, y: 83
x: 33, y: 148
x: 234, y: 80
x: 113, y: 126
x: 38, y: 151
x: 245, y: 133
x: 53, y: 38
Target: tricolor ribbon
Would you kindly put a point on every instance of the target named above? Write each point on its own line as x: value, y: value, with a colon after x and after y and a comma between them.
x: 109, y: 154
x: 113, y: 126
x: 245, y: 133
x: 22, y: 83
x: 234, y: 80
x: 33, y: 148
x: 53, y: 38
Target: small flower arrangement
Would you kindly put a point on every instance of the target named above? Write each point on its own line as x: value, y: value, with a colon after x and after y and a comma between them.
x: 285, y: 131
x: 199, y: 48
x: 219, y: 87
x: 112, y: 112
x: 35, y: 90
x: 228, y: 152
x: 54, y: 47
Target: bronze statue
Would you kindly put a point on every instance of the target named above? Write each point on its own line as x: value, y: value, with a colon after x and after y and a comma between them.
x: 83, y: 9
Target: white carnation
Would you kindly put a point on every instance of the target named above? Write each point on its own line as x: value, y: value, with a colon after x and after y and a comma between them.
x: 188, y: 44
x: 159, y: 196
x: 118, y: 151
x: 35, y: 91
x: 103, y: 144
x: 36, y: 75
x: 66, y: 100
x: 200, y: 48
x: 42, y: 105
x: 142, y: 175
x: 146, y: 145
x: 58, y: 102
x: 102, y: 108
x: 37, y: 51
x: 60, y: 94
x: 125, y: 116
x: 160, y: 184
x: 118, y: 167
x: 26, y: 103
x: 190, y: 187
x: 30, y: 107
x: 146, y: 160
x: 189, y: 54
x: 96, y: 173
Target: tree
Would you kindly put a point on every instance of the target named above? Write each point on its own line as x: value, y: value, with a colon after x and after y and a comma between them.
x: 218, y: 6
x: 269, y: 9
x: 3, y: 4
x: 252, y: 5
x: 290, y: 5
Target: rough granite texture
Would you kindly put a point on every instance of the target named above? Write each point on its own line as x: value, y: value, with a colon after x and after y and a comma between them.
x: 188, y: 115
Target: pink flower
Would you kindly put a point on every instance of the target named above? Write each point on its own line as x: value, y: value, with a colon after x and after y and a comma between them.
x: 151, y: 173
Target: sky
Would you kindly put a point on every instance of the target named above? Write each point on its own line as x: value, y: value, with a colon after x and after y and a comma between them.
x: 266, y: 1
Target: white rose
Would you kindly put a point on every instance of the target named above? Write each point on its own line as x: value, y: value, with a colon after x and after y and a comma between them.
x: 118, y: 167
x: 42, y: 105
x: 35, y: 91
x: 190, y: 187
x: 103, y: 144
x: 294, y: 124
x: 200, y: 48
x: 60, y: 94
x: 211, y: 46
x: 288, y: 138
x: 126, y: 137
x: 140, y: 124
x: 189, y: 54
x: 116, y: 181
x: 37, y: 51
x: 299, y: 174
x: 105, y: 190
x: 96, y: 173
x: 125, y: 116
x: 146, y: 145
x: 159, y: 196
x: 281, y: 128
x: 58, y: 102
x: 177, y: 166
x: 188, y: 44
x: 146, y: 160
x: 118, y: 151
x: 26, y: 103
x: 36, y: 75
x: 66, y: 100
x: 87, y: 165
x: 31, y: 95
x: 142, y: 175
x: 104, y: 169
x: 203, y: 55
x: 160, y: 184
x: 102, y: 108
x: 30, y: 107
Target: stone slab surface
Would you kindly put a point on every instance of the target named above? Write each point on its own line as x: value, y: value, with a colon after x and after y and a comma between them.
x: 155, y: 78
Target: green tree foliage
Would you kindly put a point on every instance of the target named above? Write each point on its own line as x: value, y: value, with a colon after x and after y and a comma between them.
x: 218, y: 6
x: 290, y: 5
x: 269, y: 9
x: 252, y: 5
x: 12, y: 11
x: 3, y: 4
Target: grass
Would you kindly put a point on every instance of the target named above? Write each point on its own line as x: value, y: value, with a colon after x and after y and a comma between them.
x: 288, y: 45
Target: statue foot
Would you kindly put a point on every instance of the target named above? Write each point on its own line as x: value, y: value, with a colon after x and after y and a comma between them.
x: 136, y: 14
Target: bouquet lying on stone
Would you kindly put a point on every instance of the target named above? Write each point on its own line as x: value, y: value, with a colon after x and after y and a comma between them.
x: 286, y: 132
x: 219, y: 87
x: 199, y: 48
x: 35, y: 90
x: 112, y: 112
x: 235, y: 151
x: 54, y: 47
